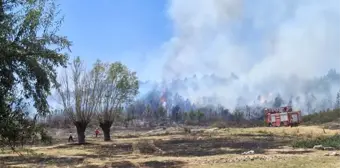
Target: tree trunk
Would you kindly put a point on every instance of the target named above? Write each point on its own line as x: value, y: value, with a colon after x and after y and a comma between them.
x: 81, y: 127
x: 105, y: 126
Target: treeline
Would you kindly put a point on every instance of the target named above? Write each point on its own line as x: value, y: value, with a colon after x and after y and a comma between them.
x: 139, y: 114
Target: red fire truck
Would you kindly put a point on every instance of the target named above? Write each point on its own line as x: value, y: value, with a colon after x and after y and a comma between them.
x: 283, y: 116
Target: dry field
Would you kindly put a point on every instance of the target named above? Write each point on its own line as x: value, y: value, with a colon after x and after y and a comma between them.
x: 213, y: 148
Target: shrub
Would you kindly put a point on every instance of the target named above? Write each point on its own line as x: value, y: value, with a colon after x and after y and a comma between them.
x: 147, y: 147
x: 187, y: 130
x: 219, y: 124
x: 322, y: 117
x: 332, y: 141
x: 257, y: 123
x: 45, y: 138
x: 190, y: 122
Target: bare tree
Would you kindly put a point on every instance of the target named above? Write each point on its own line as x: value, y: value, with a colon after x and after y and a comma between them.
x: 79, y: 93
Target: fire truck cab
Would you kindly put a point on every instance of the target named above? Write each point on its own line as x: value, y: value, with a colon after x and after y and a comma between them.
x: 283, y: 116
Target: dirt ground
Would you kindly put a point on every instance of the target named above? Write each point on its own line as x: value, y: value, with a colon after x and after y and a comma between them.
x: 173, y: 147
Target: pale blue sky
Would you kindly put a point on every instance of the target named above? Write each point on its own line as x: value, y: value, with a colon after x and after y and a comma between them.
x: 111, y: 30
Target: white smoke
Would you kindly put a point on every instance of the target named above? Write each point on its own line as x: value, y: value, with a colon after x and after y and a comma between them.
x: 273, y: 46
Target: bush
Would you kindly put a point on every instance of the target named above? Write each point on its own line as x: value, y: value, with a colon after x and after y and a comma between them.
x: 190, y: 122
x: 45, y: 138
x: 187, y: 130
x: 332, y: 141
x: 147, y: 147
x: 255, y: 123
x: 220, y: 124
x: 322, y: 117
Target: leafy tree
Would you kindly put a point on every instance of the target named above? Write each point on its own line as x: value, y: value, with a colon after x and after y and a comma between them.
x: 200, y: 115
x: 12, y: 125
x: 186, y: 116
x: 192, y: 115
x: 30, y: 51
x: 119, y: 86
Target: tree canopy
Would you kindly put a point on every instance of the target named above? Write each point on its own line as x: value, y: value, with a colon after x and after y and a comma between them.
x: 119, y: 86
x: 30, y: 52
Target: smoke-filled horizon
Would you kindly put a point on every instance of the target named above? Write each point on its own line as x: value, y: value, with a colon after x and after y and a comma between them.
x: 244, y: 52
x: 317, y: 94
x: 273, y: 47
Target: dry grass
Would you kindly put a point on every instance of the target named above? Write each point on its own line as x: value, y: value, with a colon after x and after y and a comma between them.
x: 302, y: 130
x: 292, y: 162
x: 208, y: 148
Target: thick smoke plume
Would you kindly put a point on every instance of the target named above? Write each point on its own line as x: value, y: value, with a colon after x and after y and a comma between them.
x: 271, y: 47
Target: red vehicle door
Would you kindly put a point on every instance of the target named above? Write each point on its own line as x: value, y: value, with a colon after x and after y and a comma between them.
x: 277, y: 119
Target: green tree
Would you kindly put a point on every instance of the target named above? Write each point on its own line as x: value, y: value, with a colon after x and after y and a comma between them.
x: 192, y: 115
x: 200, y: 115
x: 119, y: 86
x: 186, y: 116
x: 30, y: 52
